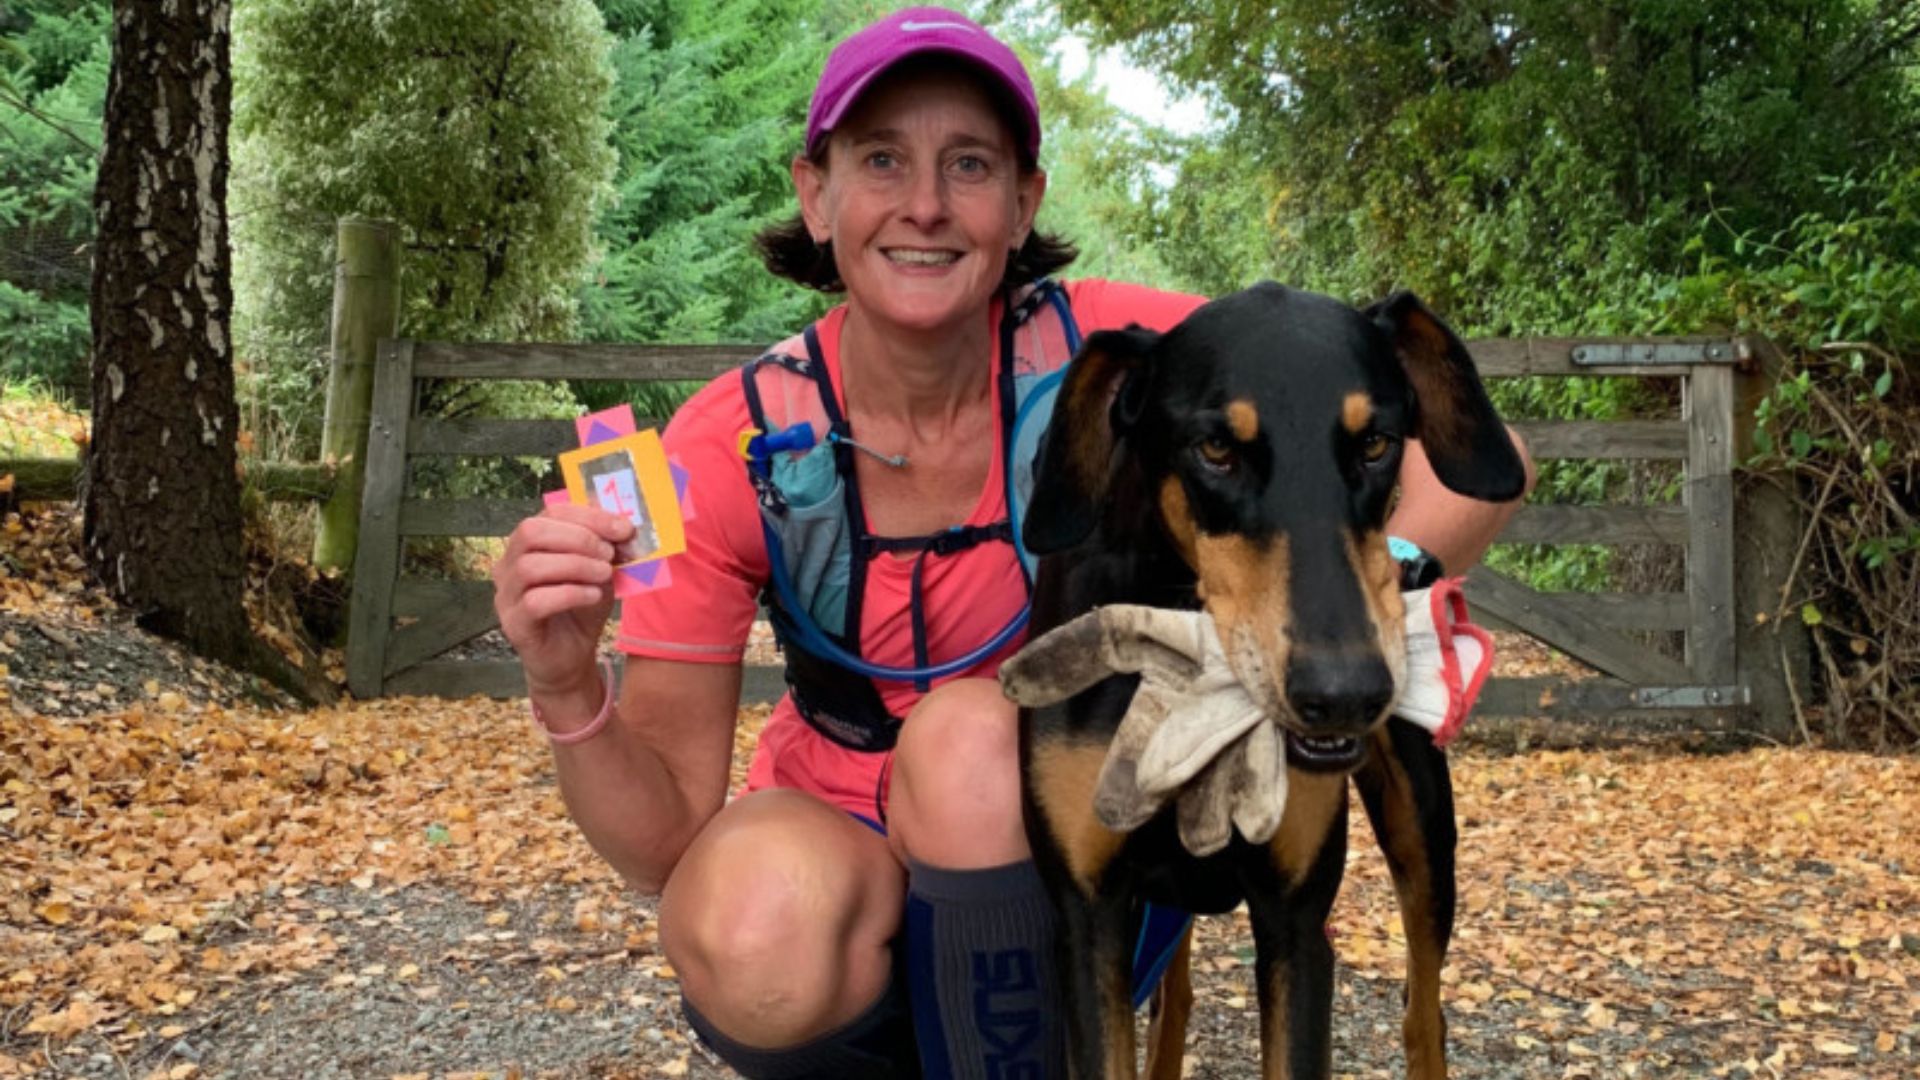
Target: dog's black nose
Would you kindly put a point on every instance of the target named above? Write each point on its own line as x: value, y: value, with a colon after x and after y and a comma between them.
x: 1338, y: 693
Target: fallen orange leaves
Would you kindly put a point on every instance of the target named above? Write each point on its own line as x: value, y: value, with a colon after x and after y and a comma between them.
x: 135, y: 839
x: 1767, y: 896
x: 149, y: 859
x: 77, y: 1017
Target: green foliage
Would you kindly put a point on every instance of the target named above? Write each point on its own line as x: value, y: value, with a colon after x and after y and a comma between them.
x: 53, y: 76
x: 1841, y: 293
x: 1851, y: 274
x: 707, y: 108
x: 42, y: 339
x: 1102, y: 190
x: 479, y: 127
x: 1520, y: 164
x: 659, y: 399
x: 48, y: 39
x: 1219, y: 226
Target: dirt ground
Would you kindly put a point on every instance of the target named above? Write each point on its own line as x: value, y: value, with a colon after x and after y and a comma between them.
x: 196, y: 881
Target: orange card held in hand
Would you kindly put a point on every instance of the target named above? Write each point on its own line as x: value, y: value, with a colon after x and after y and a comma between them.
x: 629, y: 476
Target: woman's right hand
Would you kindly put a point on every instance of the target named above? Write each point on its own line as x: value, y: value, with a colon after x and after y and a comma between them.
x: 553, y: 591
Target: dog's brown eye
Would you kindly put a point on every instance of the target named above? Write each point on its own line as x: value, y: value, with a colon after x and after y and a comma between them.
x: 1217, y: 454
x: 1375, y: 448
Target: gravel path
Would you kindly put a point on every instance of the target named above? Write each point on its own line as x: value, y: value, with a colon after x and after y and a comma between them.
x: 502, y: 998
x: 487, y: 996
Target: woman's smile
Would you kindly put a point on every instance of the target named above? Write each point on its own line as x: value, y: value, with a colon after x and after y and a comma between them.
x: 919, y: 258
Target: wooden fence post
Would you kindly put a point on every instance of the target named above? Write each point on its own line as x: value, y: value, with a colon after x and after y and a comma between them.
x: 1773, y: 650
x: 1772, y: 644
x: 366, y: 308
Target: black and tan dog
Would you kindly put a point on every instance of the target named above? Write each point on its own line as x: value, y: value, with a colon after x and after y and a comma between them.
x: 1244, y: 461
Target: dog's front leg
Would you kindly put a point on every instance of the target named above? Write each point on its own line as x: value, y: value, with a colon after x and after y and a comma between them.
x: 1098, y: 965
x: 1408, y: 794
x: 1075, y: 853
x: 1288, y: 905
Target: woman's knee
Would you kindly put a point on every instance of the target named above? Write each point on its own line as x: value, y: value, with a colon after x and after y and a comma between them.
x: 777, y: 919
x: 955, y: 796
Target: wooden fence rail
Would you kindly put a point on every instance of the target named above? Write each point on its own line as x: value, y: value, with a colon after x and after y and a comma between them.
x: 1736, y: 663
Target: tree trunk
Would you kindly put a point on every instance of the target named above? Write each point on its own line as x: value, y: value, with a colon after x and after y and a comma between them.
x: 162, y: 525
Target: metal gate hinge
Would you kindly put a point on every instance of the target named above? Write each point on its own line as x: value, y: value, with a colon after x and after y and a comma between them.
x: 1672, y: 353
x: 1690, y: 697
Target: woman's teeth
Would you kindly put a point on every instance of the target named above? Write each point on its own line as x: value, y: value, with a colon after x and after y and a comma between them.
x: 921, y: 258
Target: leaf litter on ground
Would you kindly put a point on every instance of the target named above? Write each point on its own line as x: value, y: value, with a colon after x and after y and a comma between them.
x: 192, y: 887
x: 1631, y: 904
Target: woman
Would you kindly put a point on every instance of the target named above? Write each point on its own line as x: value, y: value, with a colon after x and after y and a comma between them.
x: 783, y: 909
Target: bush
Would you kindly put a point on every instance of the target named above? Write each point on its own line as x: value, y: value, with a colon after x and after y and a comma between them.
x: 53, y: 85
x: 480, y: 128
x: 1840, y: 292
x: 43, y: 340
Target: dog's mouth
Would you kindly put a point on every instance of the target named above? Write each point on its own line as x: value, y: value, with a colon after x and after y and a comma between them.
x: 1316, y: 753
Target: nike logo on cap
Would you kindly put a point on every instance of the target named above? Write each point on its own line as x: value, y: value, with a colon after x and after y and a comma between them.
x: 911, y: 25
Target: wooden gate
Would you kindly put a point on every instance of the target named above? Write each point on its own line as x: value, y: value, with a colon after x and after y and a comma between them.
x: 1734, y: 547
x: 1734, y: 539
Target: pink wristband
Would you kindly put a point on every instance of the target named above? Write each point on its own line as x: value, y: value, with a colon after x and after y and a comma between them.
x: 593, y: 726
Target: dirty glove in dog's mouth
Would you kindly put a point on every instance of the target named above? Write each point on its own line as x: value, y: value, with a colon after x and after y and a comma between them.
x: 1191, y: 731
x: 1193, y: 735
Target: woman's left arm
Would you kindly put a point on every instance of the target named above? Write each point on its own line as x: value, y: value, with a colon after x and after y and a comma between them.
x: 1453, y: 528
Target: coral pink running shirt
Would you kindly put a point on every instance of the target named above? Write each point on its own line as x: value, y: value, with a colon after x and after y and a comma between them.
x: 705, y: 614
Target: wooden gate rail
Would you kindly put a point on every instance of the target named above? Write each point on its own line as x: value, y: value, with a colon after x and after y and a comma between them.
x: 401, y: 626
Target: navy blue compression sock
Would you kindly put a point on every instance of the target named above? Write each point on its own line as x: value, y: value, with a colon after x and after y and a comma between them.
x: 981, y: 973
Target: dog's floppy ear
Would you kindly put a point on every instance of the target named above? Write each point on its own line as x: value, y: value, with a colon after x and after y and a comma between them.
x: 1075, y: 467
x: 1455, y: 423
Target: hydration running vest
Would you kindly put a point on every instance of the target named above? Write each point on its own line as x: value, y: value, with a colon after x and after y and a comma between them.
x: 810, y: 505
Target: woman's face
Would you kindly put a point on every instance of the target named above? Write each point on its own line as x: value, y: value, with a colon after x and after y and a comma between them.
x: 924, y: 199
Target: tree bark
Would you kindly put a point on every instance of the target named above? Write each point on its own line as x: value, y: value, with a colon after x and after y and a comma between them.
x: 162, y: 503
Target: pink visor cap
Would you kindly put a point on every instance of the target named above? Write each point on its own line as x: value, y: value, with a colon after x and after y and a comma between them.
x: 856, y: 62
